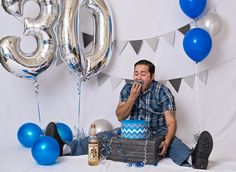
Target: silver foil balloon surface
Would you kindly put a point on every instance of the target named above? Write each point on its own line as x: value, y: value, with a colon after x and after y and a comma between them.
x: 68, y: 37
x: 211, y: 22
x: 13, y: 7
x: 102, y: 125
x: 30, y: 65
x: 99, y: 56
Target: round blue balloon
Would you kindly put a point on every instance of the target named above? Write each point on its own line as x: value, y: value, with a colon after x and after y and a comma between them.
x: 64, y: 132
x: 197, y: 44
x: 193, y: 8
x: 28, y: 133
x: 45, y: 150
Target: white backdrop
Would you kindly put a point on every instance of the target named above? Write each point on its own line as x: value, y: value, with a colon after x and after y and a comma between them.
x: 133, y: 20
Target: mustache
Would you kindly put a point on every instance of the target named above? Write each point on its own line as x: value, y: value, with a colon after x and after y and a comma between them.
x: 135, y: 81
x: 139, y: 81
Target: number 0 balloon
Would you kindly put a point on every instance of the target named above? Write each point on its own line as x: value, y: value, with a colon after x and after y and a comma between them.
x: 98, y: 58
x: 89, y: 64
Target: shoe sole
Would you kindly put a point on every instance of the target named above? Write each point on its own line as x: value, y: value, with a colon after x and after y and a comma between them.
x: 203, y: 153
x: 51, y: 131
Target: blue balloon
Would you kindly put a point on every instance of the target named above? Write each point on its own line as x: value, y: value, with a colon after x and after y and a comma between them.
x: 64, y: 132
x: 45, y: 150
x: 28, y: 133
x: 192, y: 8
x: 197, y: 44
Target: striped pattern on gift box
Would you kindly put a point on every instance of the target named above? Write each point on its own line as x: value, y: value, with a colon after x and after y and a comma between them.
x: 134, y: 129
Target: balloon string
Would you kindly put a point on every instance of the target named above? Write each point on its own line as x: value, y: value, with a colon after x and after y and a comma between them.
x: 19, y: 19
x: 196, y: 135
x: 79, y: 131
x: 79, y: 93
x: 36, y: 89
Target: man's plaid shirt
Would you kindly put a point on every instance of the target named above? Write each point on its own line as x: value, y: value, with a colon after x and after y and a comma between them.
x: 150, y: 105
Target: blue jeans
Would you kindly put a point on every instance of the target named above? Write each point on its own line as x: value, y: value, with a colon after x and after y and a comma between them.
x: 177, y: 150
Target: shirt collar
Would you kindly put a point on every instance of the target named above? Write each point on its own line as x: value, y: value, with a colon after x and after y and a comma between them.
x: 150, y: 88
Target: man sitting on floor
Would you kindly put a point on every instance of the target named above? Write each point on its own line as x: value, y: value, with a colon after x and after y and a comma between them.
x: 147, y: 99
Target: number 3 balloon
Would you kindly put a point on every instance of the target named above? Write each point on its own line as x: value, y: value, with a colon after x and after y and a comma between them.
x: 12, y: 58
x: 93, y: 62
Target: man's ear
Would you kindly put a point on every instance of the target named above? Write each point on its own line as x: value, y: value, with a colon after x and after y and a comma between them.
x: 153, y: 76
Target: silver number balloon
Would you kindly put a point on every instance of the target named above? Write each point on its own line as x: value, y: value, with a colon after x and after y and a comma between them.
x: 99, y: 56
x: 13, y: 7
x: 68, y: 37
x: 211, y: 22
x: 12, y: 58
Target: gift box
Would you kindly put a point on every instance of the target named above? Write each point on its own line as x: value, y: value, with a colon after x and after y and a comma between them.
x: 130, y: 150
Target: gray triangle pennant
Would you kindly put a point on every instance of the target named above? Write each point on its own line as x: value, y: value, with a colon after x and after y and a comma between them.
x: 120, y: 46
x: 153, y: 42
x: 128, y: 81
x: 170, y: 38
x: 176, y: 83
x: 87, y: 39
x: 136, y: 45
x: 163, y: 82
x: 184, y: 29
x: 101, y: 77
x: 201, y: 76
x: 206, y: 77
x: 115, y: 82
x: 190, y: 80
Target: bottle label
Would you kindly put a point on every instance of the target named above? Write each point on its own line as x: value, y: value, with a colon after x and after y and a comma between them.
x: 93, y: 153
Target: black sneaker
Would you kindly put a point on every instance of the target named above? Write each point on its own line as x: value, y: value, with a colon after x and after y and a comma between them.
x: 202, y: 151
x: 51, y: 130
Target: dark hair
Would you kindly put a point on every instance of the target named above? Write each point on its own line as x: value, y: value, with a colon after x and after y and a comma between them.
x: 150, y: 65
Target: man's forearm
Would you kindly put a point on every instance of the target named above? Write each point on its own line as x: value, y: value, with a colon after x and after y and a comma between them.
x: 124, y: 108
x: 171, y: 126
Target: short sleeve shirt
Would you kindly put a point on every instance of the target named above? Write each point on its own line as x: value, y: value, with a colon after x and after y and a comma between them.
x: 150, y: 105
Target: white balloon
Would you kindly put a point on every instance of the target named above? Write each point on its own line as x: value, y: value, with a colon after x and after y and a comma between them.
x: 211, y: 22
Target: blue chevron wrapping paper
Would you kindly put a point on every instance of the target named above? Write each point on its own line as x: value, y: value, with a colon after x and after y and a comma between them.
x: 134, y: 129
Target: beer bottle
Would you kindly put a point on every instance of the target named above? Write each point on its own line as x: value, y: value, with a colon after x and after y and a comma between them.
x: 93, y: 147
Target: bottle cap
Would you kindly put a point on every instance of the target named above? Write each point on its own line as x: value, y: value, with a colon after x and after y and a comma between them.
x: 92, y: 129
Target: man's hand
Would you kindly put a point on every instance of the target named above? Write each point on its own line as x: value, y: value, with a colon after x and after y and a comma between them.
x: 163, y: 147
x: 124, y: 108
x: 135, y: 90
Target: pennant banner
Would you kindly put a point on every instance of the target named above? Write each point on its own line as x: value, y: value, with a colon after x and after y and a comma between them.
x: 190, y: 80
x: 136, y: 45
x: 101, y: 78
x: 170, y: 38
x: 163, y: 82
x: 115, y: 82
x: 153, y: 42
x: 120, y: 46
x: 203, y: 76
x: 184, y: 29
x: 176, y: 83
x: 87, y: 39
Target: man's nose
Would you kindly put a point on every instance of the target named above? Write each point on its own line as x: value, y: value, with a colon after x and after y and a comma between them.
x: 138, y: 77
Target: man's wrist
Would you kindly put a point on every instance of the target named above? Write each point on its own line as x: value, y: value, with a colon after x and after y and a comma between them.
x: 122, y: 117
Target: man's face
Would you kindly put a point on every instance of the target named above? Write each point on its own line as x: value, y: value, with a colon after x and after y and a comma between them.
x: 141, y: 73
